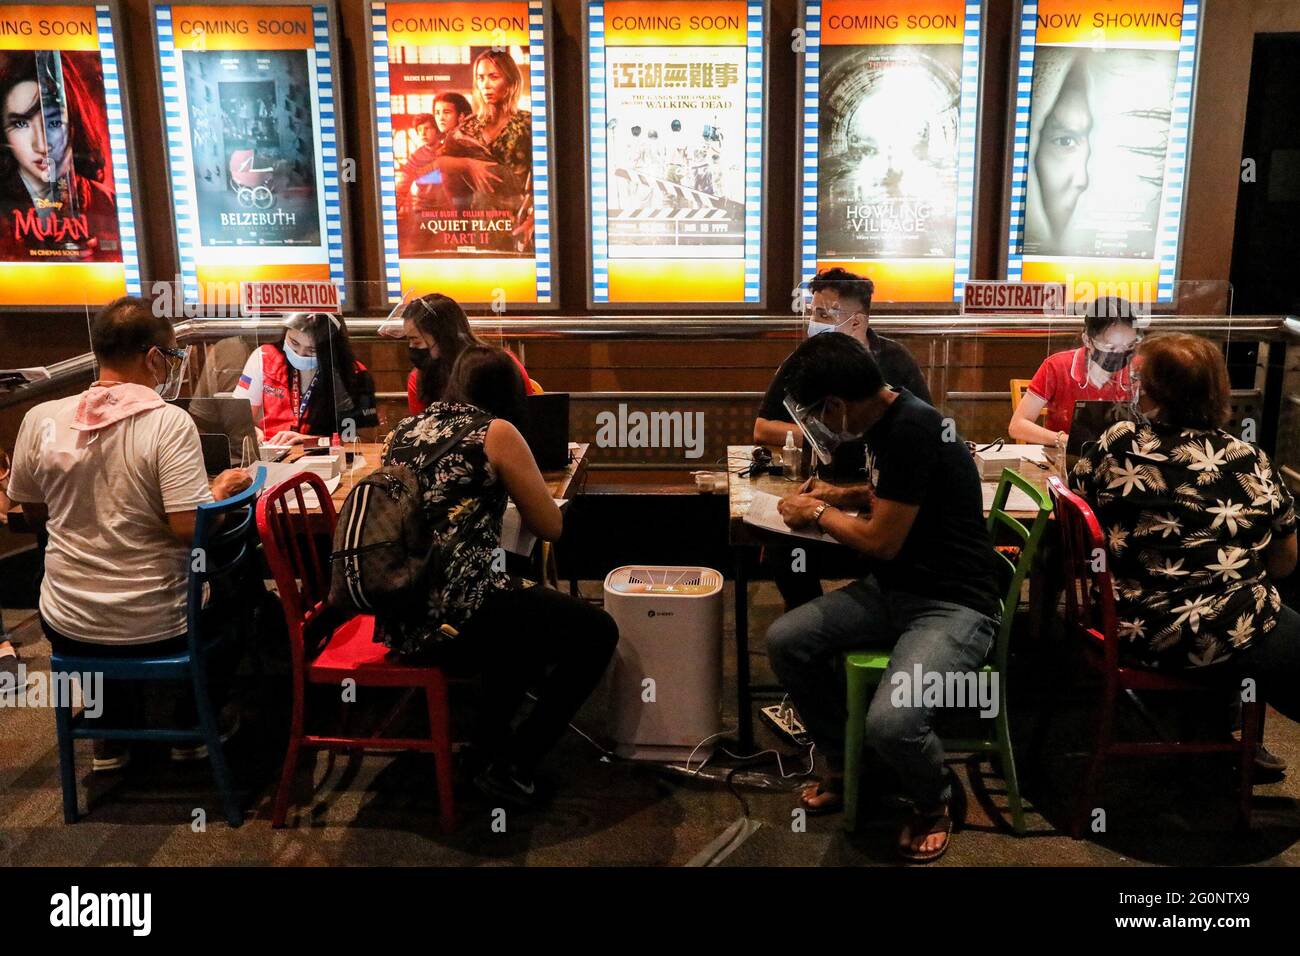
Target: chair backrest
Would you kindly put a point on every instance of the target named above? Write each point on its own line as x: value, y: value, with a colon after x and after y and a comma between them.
x: 223, y: 547
x: 534, y: 387
x: 1026, y: 537
x: 1018, y: 388
x: 289, y: 532
x: 1089, y: 585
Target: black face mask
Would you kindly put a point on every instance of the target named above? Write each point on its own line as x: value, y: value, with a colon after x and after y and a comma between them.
x: 420, y: 358
x: 1110, y: 361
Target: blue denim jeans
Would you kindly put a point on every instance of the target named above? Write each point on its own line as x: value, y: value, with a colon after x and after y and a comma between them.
x: 805, y: 648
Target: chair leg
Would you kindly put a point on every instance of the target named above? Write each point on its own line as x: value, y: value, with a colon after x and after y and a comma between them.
x: 1096, y: 763
x: 440, y: 733
x: 857, y: 692
x: 280, y: 808
x: 67, y: 762
x: 216, y: 754
x: 1008, y: 760
x: 1252, y: 721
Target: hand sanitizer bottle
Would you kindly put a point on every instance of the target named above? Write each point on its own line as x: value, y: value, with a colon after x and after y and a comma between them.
x: 790, y: 459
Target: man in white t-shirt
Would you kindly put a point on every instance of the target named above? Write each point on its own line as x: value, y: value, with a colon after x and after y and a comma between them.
x: 116, y: 475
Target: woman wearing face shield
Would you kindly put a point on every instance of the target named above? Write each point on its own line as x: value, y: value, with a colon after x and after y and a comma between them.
x: 308, y: 385
x: 1100, y: 370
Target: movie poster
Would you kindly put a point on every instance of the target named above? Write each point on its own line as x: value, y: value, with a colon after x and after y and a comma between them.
x: 889, y: 150
x: 249, y: 105
x: 61, y: 234
x: 676, y: 141
x: 462, y: 121
x: 676, y: 91
x: 252, y: 139
x: 1103, y: 105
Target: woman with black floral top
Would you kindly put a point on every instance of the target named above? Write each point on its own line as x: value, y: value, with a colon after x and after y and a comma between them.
x: 1198, y: 526
x: 514, y: 633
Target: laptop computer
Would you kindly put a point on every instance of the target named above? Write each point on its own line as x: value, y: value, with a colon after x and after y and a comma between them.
x: 1090, y: 421
x: 547, y: 429
x: 224, y: 424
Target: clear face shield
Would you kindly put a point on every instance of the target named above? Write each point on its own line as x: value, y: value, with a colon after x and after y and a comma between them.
x: 821, y: 438
x: 178, y: 364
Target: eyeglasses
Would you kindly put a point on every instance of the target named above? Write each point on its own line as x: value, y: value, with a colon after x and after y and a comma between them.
x: 176, y: 353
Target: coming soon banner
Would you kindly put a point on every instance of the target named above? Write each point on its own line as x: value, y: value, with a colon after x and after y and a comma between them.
x: 248, y: 105
x: 890, y: 105
x: 67, y: 221
x: 676, y: 150
x: 1099, y: 155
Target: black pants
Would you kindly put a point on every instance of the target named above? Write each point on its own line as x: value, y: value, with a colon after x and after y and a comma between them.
x: 531, y: 637
x: 1273, y: 662
x: 124, y: 705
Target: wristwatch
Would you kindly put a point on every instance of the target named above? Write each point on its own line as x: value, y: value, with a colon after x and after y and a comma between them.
x: 817, y: 515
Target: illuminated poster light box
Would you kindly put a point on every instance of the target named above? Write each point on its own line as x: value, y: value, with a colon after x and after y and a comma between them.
x: 676, y: 146
x: 890, y: 113
x: 1099, y: 145
x: 251, y: 118
x: 461, y: 113
x: 68, y: 230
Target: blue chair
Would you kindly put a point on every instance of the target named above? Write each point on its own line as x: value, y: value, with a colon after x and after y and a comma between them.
x: 226, y: 551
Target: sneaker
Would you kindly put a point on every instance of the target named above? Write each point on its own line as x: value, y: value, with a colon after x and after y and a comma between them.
x: 228, y: 722
x: 510, y: 785
x: 1265, y: 759
x: 110, y: 756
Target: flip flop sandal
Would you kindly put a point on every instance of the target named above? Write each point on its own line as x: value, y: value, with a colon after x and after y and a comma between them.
x: 832, y: 806
x: 925, y: 824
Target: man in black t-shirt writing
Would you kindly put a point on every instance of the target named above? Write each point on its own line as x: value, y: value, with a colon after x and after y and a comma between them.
x: 931, y: 594
x: 841, y: 302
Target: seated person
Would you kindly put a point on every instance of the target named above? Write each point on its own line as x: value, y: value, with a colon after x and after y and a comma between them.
x: 1099, y: 370
x: 437, y: 330
x: 1199, y: 526
x: 931, y: 594
x: 513, y: 633
x: 116, y: 474
x: 841, y: 302
x: 310, y: 385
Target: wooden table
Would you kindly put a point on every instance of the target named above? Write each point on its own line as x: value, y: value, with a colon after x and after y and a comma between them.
x: 745, y: 538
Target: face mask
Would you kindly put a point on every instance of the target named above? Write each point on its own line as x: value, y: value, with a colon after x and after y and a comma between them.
x: 301, y: 362
x: 817, y: 328
x: 1110, y: 361
x: 420, y: 358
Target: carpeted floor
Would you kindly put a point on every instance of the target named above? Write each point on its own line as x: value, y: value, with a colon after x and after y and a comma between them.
x: 381, y: 809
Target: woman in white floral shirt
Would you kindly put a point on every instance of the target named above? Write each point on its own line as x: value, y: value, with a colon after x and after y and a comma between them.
x: 1198, y: 526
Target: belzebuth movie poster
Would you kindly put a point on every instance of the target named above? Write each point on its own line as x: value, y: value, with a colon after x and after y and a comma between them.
x: 58, y: 199
x: 463, y: 147
x: 253, y: 146
x: 1098, y: 142
x: 888, y: 149
x: 676, y: 142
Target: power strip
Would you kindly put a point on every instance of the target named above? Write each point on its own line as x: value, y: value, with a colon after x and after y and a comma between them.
x: 785, y: 720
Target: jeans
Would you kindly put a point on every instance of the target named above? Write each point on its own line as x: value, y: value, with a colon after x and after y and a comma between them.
x: 805, y: 648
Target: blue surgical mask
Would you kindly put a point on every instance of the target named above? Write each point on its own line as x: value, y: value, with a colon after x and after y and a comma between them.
x: 301, y: 362
x: 817, y: 328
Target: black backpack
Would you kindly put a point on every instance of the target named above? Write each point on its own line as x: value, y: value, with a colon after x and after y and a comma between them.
x: 385, y: 558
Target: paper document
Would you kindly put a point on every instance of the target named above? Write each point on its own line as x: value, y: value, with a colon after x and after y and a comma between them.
x: 515, y: 538
x: 278, y: 471
x: 1016, y: 501
x: 764, y: 514
x: 11, y: 378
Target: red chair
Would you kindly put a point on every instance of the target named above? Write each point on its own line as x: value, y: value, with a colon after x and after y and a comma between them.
x: 289, y: 534
x: 1090, y: 619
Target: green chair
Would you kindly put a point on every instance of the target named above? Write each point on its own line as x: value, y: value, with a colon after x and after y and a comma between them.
x: 864, y: 669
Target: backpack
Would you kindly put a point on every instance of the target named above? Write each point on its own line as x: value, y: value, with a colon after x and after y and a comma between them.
x: 385, y: 557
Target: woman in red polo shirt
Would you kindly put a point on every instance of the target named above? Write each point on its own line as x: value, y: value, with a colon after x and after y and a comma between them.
x: 1101, y: 370
x: 309, y: 385
x: 437, y: 330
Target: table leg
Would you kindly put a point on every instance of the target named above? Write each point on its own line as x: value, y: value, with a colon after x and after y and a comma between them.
x: 745, y: 711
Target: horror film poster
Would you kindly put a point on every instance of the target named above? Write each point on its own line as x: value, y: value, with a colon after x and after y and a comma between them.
x: 676, y: 147
x: 888, y: 151
x: 463, y: 150
x: 58, y: 198
x: 253, y: 143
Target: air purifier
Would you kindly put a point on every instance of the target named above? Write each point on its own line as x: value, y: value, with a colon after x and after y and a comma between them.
x: 667, y: 674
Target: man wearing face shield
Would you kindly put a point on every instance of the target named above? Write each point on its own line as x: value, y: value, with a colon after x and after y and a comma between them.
x: 841, y: 302
x: 1100, y: 370
x: 929, y: 594
x: 115, y: 475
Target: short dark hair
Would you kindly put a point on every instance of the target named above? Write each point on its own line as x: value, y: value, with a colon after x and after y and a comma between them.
x: 1187, y: 377
x: 458, y: 102
x: 848, y: 284
x: 1106, y: 311
x: 125, y: 328
x: 422, y: 119
x: 833, y: 363
x: 487, y: 377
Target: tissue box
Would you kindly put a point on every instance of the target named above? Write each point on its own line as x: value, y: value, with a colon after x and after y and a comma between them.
x: 326, y: 466
x: 991, y: 462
